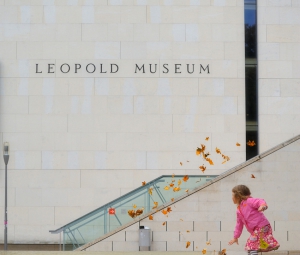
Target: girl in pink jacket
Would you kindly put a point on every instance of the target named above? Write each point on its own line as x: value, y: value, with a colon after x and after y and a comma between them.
x: 250, y: 214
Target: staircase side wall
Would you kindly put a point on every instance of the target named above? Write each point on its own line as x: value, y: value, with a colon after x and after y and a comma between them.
x: 209, y: 214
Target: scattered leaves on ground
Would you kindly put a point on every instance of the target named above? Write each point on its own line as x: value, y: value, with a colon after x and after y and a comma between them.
x: 150, y: 217
x: 186, y: 190
x: 180, y: 163
x: 252, y: 176
x: 237, y: 144
x: 218, y: 151
x: 204, y: 251
x: 143, y: 183
x: 208, y: 242
x: 164, y: 223
x: 134, y: 206
x: 166, y: 188
x: 150, y: 191
x: 223, y: 252
x: 207, y: 138
x: 155, y: 205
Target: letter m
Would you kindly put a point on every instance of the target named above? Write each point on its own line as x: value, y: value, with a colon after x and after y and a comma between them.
x: 201, y: 68
x: 139, y: 68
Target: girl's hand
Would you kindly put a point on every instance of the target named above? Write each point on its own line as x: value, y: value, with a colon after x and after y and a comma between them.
x: 234, y: 240
x: 262, y: 208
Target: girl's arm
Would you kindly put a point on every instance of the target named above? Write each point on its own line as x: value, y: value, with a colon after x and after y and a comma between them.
x: 238, y: 227
x: 257, y: 203
x: 262, y: 208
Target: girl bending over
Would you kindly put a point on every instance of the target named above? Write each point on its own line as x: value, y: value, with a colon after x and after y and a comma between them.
x: 250, y: 213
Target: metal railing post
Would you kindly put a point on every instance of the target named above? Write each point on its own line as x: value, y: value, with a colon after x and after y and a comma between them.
x: 5, y: 211
x: 6, y: 158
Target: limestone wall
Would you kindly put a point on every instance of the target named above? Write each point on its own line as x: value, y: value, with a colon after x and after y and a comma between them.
x: 278, y: 71
x: 80, y: 140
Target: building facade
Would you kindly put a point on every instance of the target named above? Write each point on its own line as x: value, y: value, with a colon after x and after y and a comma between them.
x: 99, y: 95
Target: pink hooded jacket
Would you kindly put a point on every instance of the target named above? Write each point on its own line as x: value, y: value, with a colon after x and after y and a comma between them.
x: 247, y: 214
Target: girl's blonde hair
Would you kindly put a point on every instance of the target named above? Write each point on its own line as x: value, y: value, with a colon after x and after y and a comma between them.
x: 241, y: 192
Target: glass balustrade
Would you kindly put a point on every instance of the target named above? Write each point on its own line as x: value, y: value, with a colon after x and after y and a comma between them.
x: 116, y: 213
